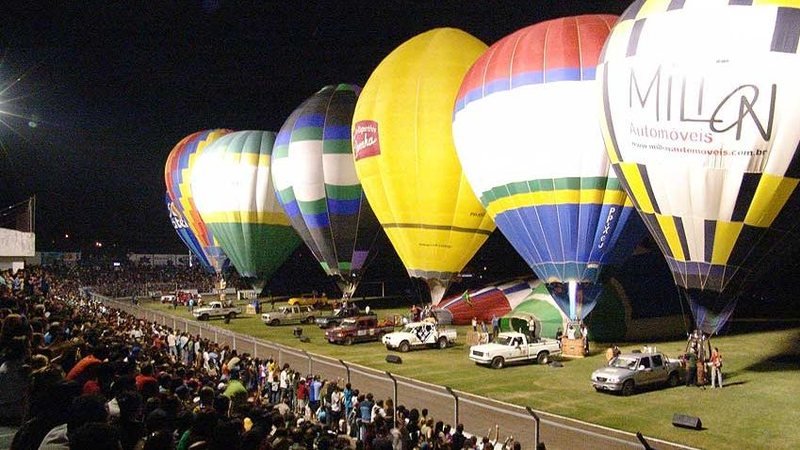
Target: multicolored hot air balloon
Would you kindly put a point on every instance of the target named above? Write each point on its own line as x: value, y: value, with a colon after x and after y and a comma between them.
x: 233, y: 191
x: 181, y: 226
x: 406, y: 161
x: 702, y: 124
x: 315, y: 178
x: 525, y: 127
x: 180, y: 202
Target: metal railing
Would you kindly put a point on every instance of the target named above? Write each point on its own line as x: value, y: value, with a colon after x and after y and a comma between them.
x: 478, y: 414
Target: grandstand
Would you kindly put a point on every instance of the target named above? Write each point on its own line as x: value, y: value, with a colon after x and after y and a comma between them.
x: 17, y: 234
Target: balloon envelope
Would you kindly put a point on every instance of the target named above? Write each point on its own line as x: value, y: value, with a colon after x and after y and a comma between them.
x: 701, y: 123
x: 315, y: 178
x: 181, y: 226
x: 235, y: 196
x: 406, y: 161
x: 181, y: 206
x: 525, y: 127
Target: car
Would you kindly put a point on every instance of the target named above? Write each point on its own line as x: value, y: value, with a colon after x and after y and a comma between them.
x: 359, y: 329
x: 216, y: 309
x: 629, y: 371
x: 309, y: 300
x: 420, y: 335
x: 290, y: 314
x: 513, y: 347
x: 333, y: 320
x: 167, y: 299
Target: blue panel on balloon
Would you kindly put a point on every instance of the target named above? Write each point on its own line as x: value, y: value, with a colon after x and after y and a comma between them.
x: 292, y: 208
x: 344, y: 207
x: 316, y: 220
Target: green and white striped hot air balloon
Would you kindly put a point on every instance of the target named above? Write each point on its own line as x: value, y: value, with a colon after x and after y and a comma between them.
x: 235, y: 196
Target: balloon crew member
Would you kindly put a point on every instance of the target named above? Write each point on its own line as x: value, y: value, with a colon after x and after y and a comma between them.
x: 716, y: 368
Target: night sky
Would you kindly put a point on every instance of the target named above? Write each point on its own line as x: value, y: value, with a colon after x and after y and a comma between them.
x: 106, y: 89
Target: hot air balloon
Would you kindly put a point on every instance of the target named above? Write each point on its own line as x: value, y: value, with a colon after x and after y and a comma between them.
x: 315, y: 178
x: 180, y: 204
x: 181, y: 226
x: 702, y: 125
x: 406, y: 161
x: 233, y: 191
x: 525, y: 127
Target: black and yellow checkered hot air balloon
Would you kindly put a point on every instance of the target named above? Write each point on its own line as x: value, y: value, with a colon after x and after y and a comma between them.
x: 701, y: 119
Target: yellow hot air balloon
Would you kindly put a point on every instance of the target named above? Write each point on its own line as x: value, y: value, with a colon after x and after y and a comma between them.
x: 406, y: 160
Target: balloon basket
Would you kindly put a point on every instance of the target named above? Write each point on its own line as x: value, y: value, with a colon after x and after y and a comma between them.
x: 572, y: 348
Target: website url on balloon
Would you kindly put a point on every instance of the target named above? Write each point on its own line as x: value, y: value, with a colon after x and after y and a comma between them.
x: 699, y: 151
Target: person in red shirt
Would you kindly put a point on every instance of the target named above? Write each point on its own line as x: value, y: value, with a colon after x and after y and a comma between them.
x: 146, y: 376
x: 80, y: 372
x: 302, y: 396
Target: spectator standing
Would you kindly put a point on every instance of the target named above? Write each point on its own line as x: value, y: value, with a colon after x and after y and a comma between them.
x: 365, y: 414
x: 458, y: 439
x: 283, y: 381
x: 336, y: 407
x: 314, y: 394
x: 15, y: 348
x: 347, y: 396
x: 236, y: 391
x: 302, y: 396
x: 172, y: 343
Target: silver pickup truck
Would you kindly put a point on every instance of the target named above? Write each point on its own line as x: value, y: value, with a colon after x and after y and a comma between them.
x: 629, y: 371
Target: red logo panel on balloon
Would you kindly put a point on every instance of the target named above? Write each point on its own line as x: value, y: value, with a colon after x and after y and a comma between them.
x: 365, y: 139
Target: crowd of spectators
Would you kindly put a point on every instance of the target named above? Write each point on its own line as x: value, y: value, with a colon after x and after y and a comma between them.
x: 78, y: 374
x: 129, y: 279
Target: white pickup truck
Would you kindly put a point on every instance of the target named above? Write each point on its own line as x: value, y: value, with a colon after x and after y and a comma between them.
x: 513, y: 347
x: 420, y: 334
x: 290, y: 314
x: 216, y: 309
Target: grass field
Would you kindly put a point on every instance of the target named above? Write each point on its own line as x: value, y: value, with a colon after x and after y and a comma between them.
x: 758, y: 408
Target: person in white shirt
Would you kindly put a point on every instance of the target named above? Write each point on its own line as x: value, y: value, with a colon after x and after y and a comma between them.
x: 284, y: 381
x: 337, y: 398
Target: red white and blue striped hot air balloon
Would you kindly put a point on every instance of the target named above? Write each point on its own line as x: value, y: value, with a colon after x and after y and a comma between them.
x: 526, y: 132
x: 183, y: 213
x: 315, y: 178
